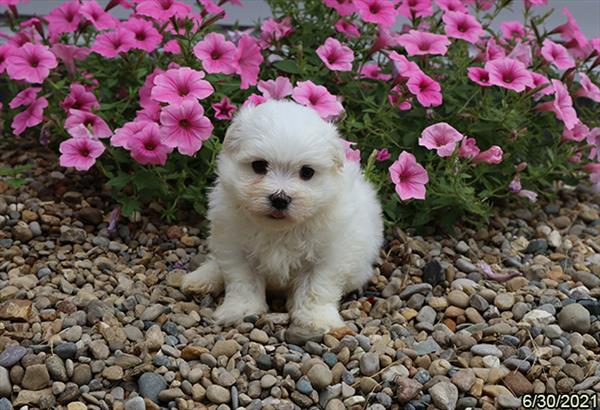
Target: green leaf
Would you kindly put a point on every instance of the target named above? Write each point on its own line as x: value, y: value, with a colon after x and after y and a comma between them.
x: 287, y: 66
x: 119, y: 181
x: 129, y: 206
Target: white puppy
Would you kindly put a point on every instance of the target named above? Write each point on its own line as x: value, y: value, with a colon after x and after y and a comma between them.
x: 289, y: 214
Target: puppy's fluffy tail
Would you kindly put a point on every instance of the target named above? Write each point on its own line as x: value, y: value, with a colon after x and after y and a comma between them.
x: 206, y: 279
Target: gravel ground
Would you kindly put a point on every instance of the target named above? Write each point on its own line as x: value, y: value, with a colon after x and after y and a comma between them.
x: 91, y: 317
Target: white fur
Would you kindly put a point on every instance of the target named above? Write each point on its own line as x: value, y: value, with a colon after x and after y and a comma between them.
x: 327, y: 242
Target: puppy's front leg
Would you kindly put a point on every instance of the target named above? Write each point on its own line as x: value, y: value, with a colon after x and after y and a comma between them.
x: 244, y: 291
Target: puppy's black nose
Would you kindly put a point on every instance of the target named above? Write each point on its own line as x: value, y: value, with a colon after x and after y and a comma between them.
x: 280, y: 200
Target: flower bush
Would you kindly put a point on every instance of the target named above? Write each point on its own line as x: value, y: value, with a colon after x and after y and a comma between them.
x: 447, y: 115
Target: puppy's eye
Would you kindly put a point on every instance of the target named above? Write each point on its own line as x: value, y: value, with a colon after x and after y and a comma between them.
x: 306, y: 173
x: 260, y: 167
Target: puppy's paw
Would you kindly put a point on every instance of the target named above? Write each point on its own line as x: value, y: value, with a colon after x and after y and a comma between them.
x: 206, y: 279
x: 318, y: 318
x: 231, y: 312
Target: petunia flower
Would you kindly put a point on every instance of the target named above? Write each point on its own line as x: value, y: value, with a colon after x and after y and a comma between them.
x: 5, y: 50
x: 440, y: 137
x: 493, y: 51
x: 402, y: 66
x: 276, y: 89
x: 68, y: 54
x: 415, y: 8
x: 318, y: 98
x: 145, y: 36
x: 385, y: 39
x: 79, y: 98
x: 123, y: 135
x: 397, y: 98
x: 216, y: 53
x: 212, y: 8
x: 255, y: 99
x: 562, y: 105
x: 570, y: 31
x: 111, y: 43
x: 422, y: 43
x: 382, y: 154
x: 538, y: 81
x: 99, y: 128
x: 593, y: 139
x: 557, y: 54
x: 343, y: 7
x: 335, y: 55
x: 272, y: 30
x: 409, y: 177
x: 224, y: 109
x: 347, y: 28
x: 452, y: 5
x: 462, y: 25
x: 588, y: 88
x: 180, y: 84
x: 184, y: 126
x: 492, y: 155
x: 64, y: 18
x: 30, y: 117
x: 31, y: 63
x: 163, y: 10
x: 353, y: 154
x: 80, y: 152
x: 427, y: 90
x: 95, y: 14
x: 509, y: 73
x: 468, y: 148
x: 145, y: 91
x: 521, y: 52
x: 531, y: 3
x: 380, y: 12
x: 247, y: 61
x: 512, y: 30
x: 25, y: 97
x: 373, y: 71
x: 479, y: 75
x: 578, y: 133
x: 147, y: 146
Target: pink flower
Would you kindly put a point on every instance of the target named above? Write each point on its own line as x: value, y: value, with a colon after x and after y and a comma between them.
x: 64, y: 19
x: 80, y: 99
x: 172, y: 47
x: 468, y: 148
x: 335, y: 55
x: 441, y: 137
x: 538, y: 81
x: 100, y: 129
x: 12, y: 2
x: 163, y: 10
x: 145, y: 91
x: 5, y: 50
x: 255, y: 100
x: 216, y: 53
x: 422, y: 43
x: 147, y: 147
x: 427, y: 91
x: 210, y: 7
x: 557, y: 54
x: 462, y: 25
x: 224, y: 109
x: 247, y: 61
x: 379, y: 12
x: 588, y: 88
x: 318, y: 98
x: 562, y: 106
x: 512, y: 30
x: 570, y: 31
x: 95, y: 14
x: 578, y: 133
x: 397, y: 98
x: 25, y: 97
x: 350, y: 153
x: 493, y: 51
x: 382, y: 154
x: 492, y: 155
x: 180, y: 84
x: 123, y: 135
x: 343, y: 7
x: 185, y: 127
x: 521, y: 52
x: 415, y: 8
x: 276, y: 89
x: 531, y: 3
x: 80, y: 152
x: 509, y: 73
x: 409, y: 177
x: 402, y: 66
x: 479, y: 76
x: 452, y: 5
x: 593, y: 139
x: 385, y: 39
x: 272, y: 30
x: 112, y: 43
x: 30, y: 117
x: 373, y: 71
x: 150, y: 113
x: 68, y: 54
x: 31, y: 62
x: 346, y: 28
x: 146, y: 37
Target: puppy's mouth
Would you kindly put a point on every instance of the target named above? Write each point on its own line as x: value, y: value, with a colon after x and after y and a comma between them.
x: 275, y: 214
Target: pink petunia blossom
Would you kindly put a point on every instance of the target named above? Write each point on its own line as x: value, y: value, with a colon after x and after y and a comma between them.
x: 79, y: 98
x: 31, y: 62
x: 462, y: 25
x: 123, y: 135
x: 415, y: 8
x: 427, y: 91
x: 380, y: 12
x: 515, y: 187
x: 30, y: 117
x: 409, y: 177
x: 112, y: 43
x: 588, y: 88
x: 216, y: 53
x: 382, y: 154
x: 272, y: 30
x: 12, y: 2
x: 180, y: 84
x: 150, y: 113
x: 25, y: 97
x: 562, y: 105
x: 347, y: 28
x: 353, y: 154
x: 172, y: 47
x: 80, y: 153
x: 493, y: 51
x: 247, y: 61
x: 538, y: 81
x: 512, y: 30
x: 224, y: 109
x: 255, y: 100
x: 318, y: 98
x: 441, y: 137
x: 593, y: 139
x: 521, y: 52
x: 402, y: 66
x: 509, y: 73
x: 422, y: 43
x: 557, y: 54
x: 5, y: 51
x: 185, y: 127
x: 145, y: 91
x: 479, y: 75
x: 373, y: 71
x: 147, y: 146
x: 163, y: 10
x: 100, y: 129
x: 64, y: 19
x: 531, y: 3
x: 146, y: 37
x: 95, y: 14
x: 385, y: 39
x: 578, y: 133
x: 68, y: 54
x: 452, y: 5
x: 343, y: 7
x: 594, y: 171
x: 212, y: 8
x: 335, y: 55
x: 570, y: 31
x: 276, y: 89
x: 492, y: 155
x: 468, y: 148
x: 397, y: 98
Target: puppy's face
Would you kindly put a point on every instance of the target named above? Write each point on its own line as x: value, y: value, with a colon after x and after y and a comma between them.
x: 281, y: 163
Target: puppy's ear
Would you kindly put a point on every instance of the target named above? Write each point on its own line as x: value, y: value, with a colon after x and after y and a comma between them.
x: 337, y: 153
x: 232, y: 138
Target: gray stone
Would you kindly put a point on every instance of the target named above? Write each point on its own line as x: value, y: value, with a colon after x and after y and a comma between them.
x: 11, y: 355
x: 5, y: 404
x: 426, y: 314
x: 537, y: 246
x: 66, y: 350
x: 369, y: 364
x: 56, y: 368
x: 415, y: 288
x: 5, y: 385
x: 427, y: 346
x: 218, y: 394
x: 150, y: 385
x: 465, y: 266
x: 486, y: 350
x: 588, y: 279
x: 36, y: 377
x: 320, y: 376
x: 574, y: 317
x: 444, y: 395
x: 136, y: 403
x: 303, y: 386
